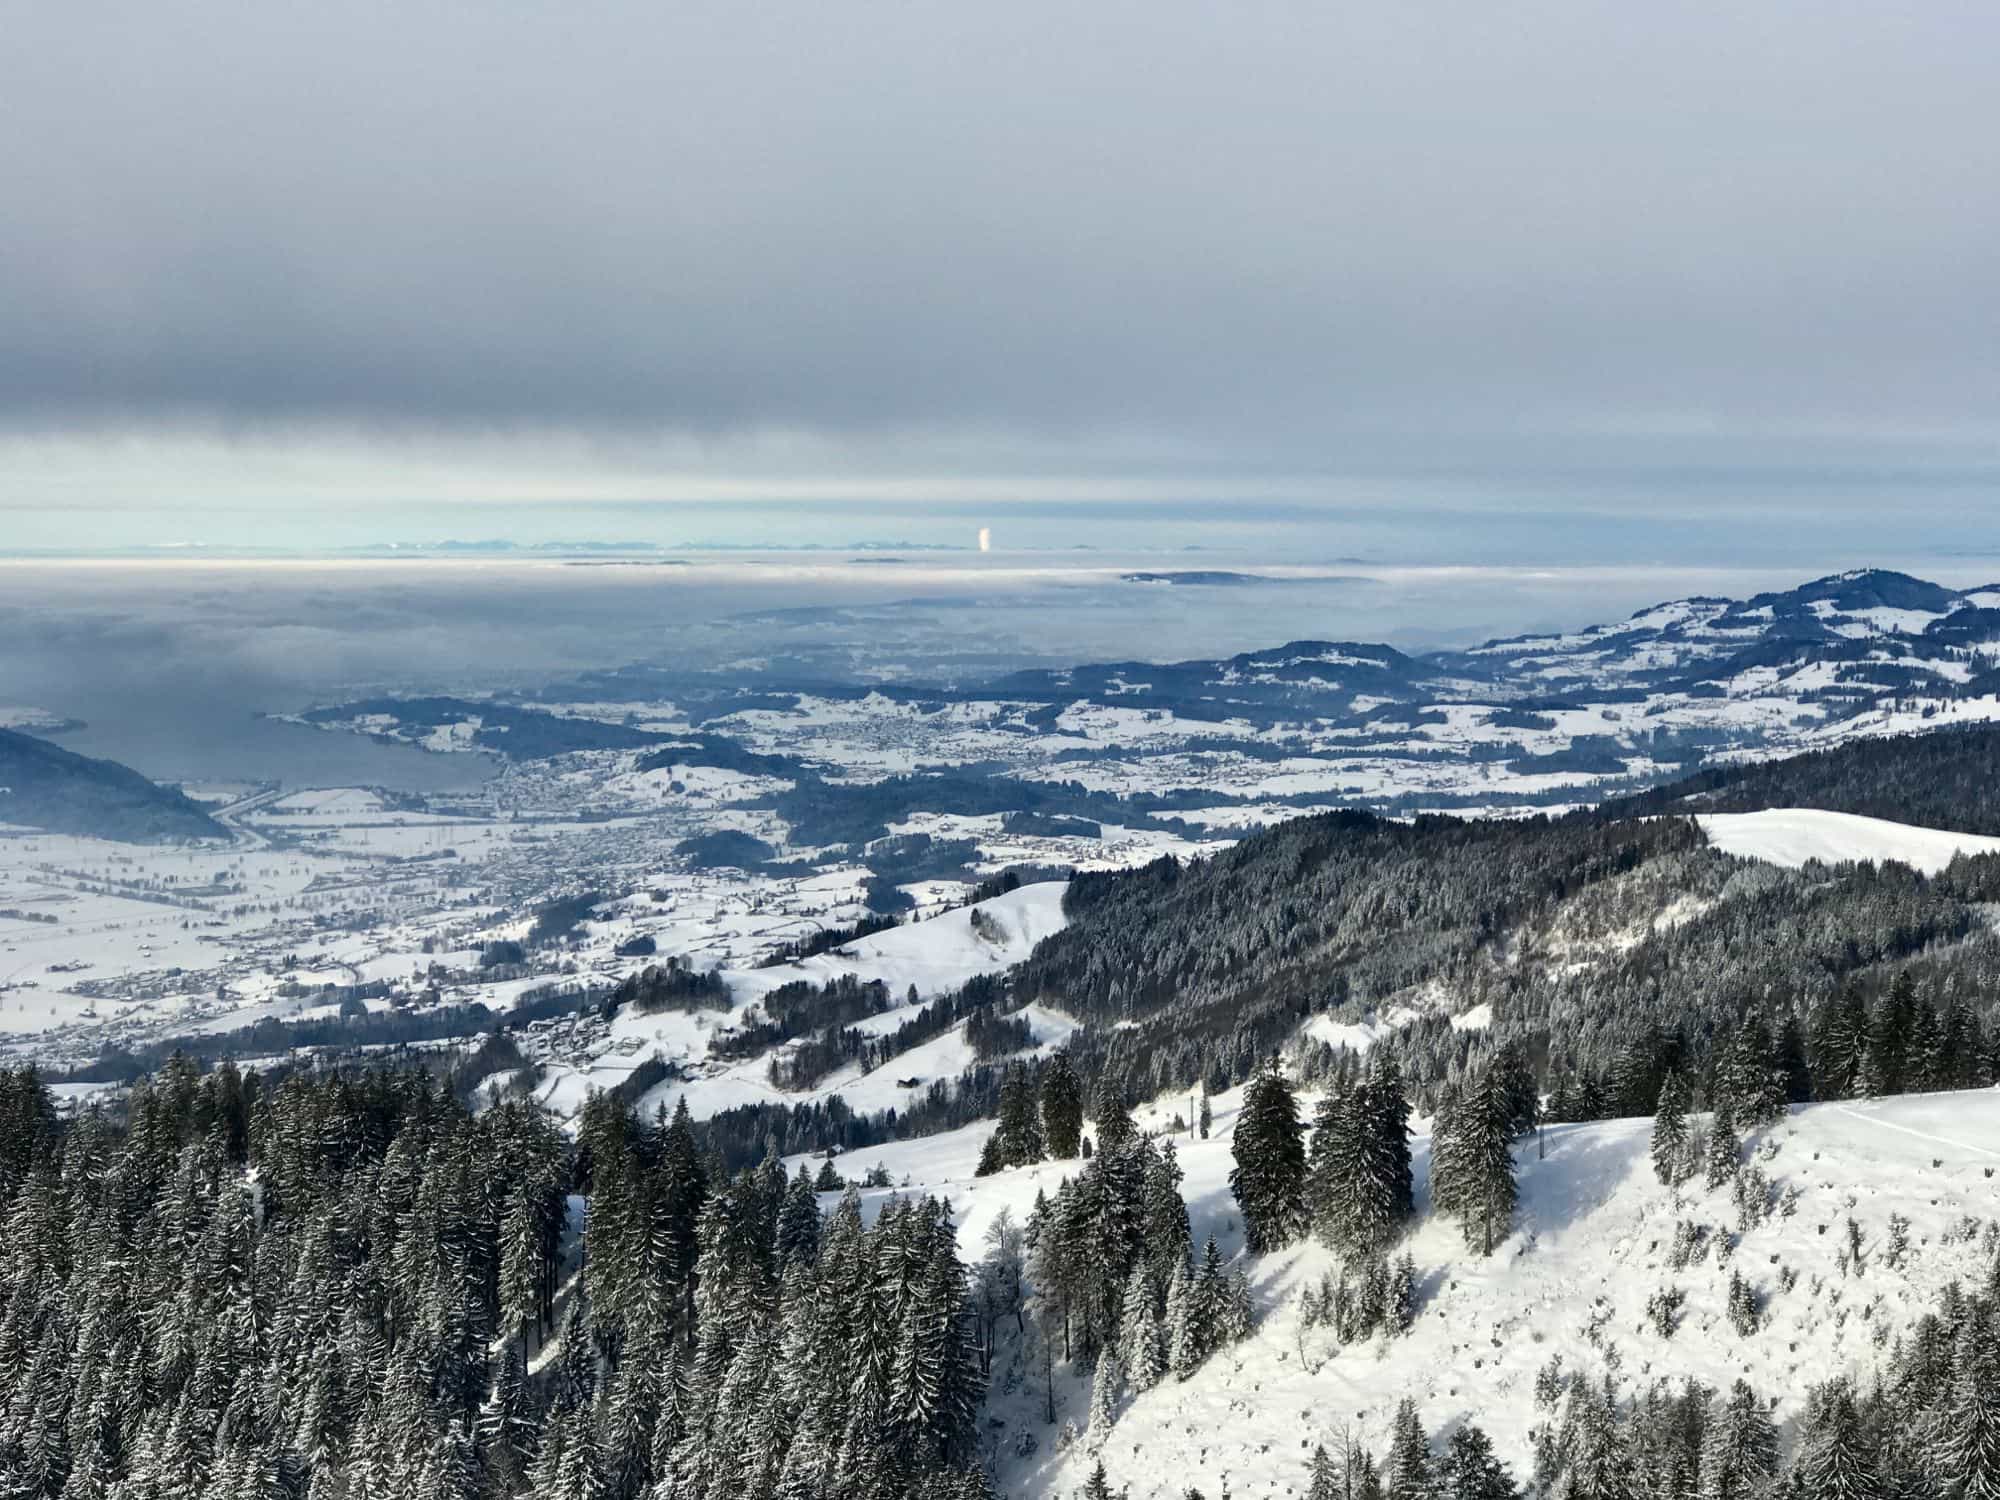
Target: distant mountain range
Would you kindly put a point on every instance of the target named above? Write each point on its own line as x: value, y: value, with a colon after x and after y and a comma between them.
x: 1523, y: 722
x: 46, y: 787
x: 1862, y: 651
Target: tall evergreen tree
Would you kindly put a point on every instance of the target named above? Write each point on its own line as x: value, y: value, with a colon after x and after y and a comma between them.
x: 1889, y: 1034
x: 1471, y: 1471
x: 1835, y: 1459
x: 1062, y: 1107
x: 1671, y: 1162
x: 1373, y: 1178
x: 1739, y: 1455
x: 1168, y: 1237
x: 1188, y: 1323
x: 1750, y: 1077
x: 1840, y: 1046
x: 1724, y: 1152
x: 1020, y: 1132
x: 1323, y: 1481
x: 1968, y: 1451
x: 1407, y: 1473
x: 1270, y: 1154
x: 1109, y: 1114
x: 798, y: 1222
x: 1479, y: 1147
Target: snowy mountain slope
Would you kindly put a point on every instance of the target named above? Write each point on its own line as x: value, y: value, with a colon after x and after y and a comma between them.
x: 1792, y: 836
x: 1864, y: 611
x: 1590, y: 1246
x: 893, y: 1085
x: 946, y: 950
x: 931, y: 957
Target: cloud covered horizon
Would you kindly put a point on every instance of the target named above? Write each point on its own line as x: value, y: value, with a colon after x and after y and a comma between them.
x: 1126, y: 249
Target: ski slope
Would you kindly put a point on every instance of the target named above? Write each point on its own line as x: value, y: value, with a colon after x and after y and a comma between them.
x: 1590, y: 1247
x: 1793, y: 836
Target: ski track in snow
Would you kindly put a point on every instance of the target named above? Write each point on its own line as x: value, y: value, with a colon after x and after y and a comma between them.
x: 1935, y: 1140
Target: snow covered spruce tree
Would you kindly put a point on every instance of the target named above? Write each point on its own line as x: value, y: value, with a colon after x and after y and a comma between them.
x: 1672, y: 1156
x: 1739, y: 1449
x: 1836, y: 1459
x: 1749, y: 1076
x: 1360, y: 1187
x: 1406, y: 1474
x: 1269, y: 1178
x: 1472, y: 1161
x: 1122, y: 1213
x: 1725, y: 1152
x: 1017, y: 1140
x: 1062, y: 1108
x: 1967, y: 1445
x: 1108, y: 1112
x: 1470, y: 1470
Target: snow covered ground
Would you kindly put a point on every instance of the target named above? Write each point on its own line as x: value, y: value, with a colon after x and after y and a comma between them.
x: 1792, y: 836
x: 1590, y: 1247
x: 931, y: 957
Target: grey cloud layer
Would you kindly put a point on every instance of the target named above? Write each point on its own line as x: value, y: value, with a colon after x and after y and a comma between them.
x: 1249, y: 229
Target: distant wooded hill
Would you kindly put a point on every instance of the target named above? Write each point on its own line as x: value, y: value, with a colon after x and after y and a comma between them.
x: 45, y: 786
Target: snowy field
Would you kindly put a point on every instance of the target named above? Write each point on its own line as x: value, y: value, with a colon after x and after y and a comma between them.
x: 1793, y: 836
x: 1590, y: 1247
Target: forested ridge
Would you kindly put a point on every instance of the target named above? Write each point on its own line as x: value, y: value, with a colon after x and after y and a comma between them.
x: 45, y: 786
x: 1589, y: 941
x: 1605, y: 945
x: 1949, y: 778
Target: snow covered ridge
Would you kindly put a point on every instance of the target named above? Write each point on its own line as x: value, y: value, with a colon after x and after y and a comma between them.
x: 1794, y: 836
x: 1596, y: 1238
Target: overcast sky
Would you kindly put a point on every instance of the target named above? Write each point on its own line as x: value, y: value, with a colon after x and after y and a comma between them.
x: 265, y: 266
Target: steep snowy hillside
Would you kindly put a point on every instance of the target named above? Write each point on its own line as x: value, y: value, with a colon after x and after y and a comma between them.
x: 937, y: 954
x: 1792, y: 836
x: 1593, y: 1242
